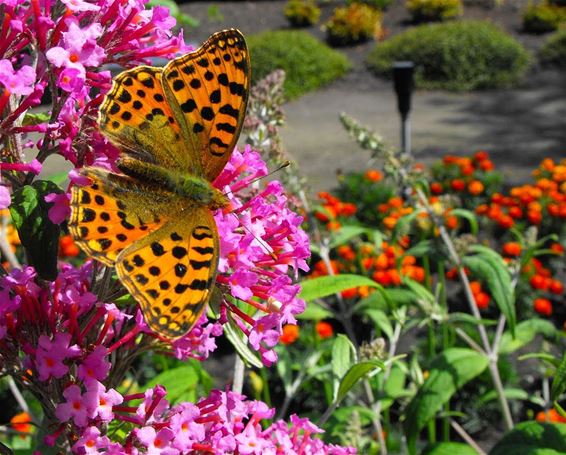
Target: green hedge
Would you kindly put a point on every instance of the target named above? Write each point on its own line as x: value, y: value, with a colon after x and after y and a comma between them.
x: 554, y: 50
x: 543, y: 18
x: 308, y: 62
x: 464, y: 55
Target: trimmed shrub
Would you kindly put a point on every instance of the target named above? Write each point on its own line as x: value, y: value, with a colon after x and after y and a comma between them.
x: 543, y: 18
x: 307, y: 62
x: 302, y: 13
x: 434, y: 10
x: 353, y: 24
x: 554, y: 50
x: 463, y: 55
x: 381, y: 5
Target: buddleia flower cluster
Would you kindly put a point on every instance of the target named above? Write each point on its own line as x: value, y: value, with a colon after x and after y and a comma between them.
x: 65, y: 338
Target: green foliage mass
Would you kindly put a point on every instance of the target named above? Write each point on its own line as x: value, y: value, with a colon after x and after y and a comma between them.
x: 463, y: 55
x: 302, y: 13
x: 554, y: 50
x: 308, y: 63
x: 543, y: 18
x: 434, y: 10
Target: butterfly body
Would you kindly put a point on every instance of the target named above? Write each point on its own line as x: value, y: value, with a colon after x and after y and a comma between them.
x: 176, y: 128
x: 195, y: 190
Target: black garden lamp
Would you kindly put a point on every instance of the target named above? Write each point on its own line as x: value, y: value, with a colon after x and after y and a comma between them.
x: 403, y: 82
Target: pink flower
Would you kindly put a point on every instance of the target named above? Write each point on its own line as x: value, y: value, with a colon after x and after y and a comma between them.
x: 78, y: 407
x: 78, y: 6
x: 5, y: 197
x: 60, y: 210
x: 94, y: 367
x: 105, y: 400
x: 91, y: 442
x: 18, y: 82
x: 51, y: 354
x: 156, y: 442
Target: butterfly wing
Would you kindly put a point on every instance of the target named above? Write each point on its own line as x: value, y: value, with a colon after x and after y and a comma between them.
x: 135, y: 115
x: 171, y: 272
x: 112, y: 212
x: 208, y: 93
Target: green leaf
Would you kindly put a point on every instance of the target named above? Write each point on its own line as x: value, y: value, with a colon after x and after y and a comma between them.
x: 36, y: 118
x: 239, y: 343
x: 526, y: 332
x: 346, y: 233
x: 510, y: 394
x: 491, y: 269
x: 324, y: 286
x: 343, y: 356
x: 179, y: 382
x: 355, y: 373
x: 559, y: 381
x: 533, y: 438
x: 381, y: 320
x: 470, y: 216
x: 423, y: 248
x: 449, y: 448
x: 38, y: 234
x: 314, y: 312
x: 449, y: 371
x: 469, y: 319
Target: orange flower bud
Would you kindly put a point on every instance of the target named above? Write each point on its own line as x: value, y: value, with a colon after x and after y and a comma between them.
x: 543, y: 306
x: 324, y: 329
x: 290, y: 334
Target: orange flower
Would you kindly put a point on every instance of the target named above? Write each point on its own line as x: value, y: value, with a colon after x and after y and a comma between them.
x: 512, y: 249
x: 551, y: 415
x: 290, y: 334
x: 482, y: 300
x: 451, y: 222
x: 467, y: 169
x: 67, y: 247
x: 324, y: 329
x: 556, y: 287
x: 475, y: 286
x: 333, y: 226
x: 381, y: 262
x: 21, y: 423
x: 457, y: 185
x: 539, y: 282
x: 486, y: 165
x: 436, y: 188
x: 346, y: 252
x: 475, y: 187
x: 373, y: 175
x: 348, y: 209
x: 557, y: 248
x: 481, y: 155
x: 543, y: 306
x: 349, y: 293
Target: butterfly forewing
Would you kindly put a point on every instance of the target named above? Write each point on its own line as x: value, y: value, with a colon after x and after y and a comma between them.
x: 171, y: 272
x: 136, y: 116
x: 208, y: 92
x: 113, y: 212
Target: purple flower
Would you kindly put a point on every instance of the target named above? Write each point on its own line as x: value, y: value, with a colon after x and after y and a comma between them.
x: 5, y: 197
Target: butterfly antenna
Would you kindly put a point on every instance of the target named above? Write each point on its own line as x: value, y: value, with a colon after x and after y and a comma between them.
x: 283, y: 165
x: 262, y: 242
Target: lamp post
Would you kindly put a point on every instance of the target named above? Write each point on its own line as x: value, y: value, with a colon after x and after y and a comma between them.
x: 403, y: 82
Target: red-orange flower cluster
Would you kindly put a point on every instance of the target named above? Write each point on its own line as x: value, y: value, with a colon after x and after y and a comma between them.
x: 332, y: 209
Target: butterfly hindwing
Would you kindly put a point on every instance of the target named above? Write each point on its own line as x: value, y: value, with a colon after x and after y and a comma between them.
x: 208, y: 92
x: 113, y: 212
x: 171, y: 272
x: 136, y: 116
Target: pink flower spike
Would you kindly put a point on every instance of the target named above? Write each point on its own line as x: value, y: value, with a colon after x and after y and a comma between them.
x: 95, y: 366
x: 77, y: 6
x: 5, y: 198
x: 61, y: 209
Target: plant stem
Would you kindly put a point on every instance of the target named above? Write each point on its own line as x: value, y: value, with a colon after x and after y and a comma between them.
x: 239, y: 370
x: 466, y: 437
x: 491, y: 355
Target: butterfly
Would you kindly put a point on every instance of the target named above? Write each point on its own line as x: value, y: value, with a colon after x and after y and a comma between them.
x: 176, y: 128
